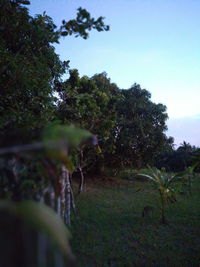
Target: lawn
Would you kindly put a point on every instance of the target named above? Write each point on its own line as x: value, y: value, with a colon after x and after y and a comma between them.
x: 110, y: 230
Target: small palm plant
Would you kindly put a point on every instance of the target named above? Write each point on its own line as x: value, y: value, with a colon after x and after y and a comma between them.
x: 163, y: 184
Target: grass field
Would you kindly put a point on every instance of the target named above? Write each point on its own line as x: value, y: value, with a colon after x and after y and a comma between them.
x: 110, y: 230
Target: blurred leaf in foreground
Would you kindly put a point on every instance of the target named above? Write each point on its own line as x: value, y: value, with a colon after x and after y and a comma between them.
x: 66, y: 135
x: 43, y: 219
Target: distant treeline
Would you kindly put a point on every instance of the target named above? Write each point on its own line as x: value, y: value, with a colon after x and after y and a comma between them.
x: 178, y: 159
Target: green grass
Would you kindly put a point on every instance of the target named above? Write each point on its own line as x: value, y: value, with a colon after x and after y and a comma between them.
x: 110, y: 230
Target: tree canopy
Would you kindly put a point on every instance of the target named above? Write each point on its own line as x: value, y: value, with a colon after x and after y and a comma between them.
x: 30, y: 67
x: 130, y: 127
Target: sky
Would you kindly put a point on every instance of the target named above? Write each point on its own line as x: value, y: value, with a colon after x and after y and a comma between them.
x: 155, y: 43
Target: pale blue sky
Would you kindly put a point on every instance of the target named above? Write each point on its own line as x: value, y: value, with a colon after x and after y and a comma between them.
x: 155, y: 43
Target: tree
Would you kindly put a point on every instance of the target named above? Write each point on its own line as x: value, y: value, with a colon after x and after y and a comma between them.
x: 130, y: 128
x: 90, y: 103
x: 30, y: 67
x: 140, y: 127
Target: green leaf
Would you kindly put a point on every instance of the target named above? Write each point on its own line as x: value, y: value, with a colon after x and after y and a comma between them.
x: 69, y: 135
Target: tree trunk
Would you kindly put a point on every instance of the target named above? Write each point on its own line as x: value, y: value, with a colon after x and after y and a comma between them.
x: 81, y: 180
x: 67, y: 192
x: 163, y: 218
x: 73, y: 206
x: 62, y: 193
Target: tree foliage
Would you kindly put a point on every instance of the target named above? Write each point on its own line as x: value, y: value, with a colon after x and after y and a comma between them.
x: 30, y: 67
x: 179, y: 159
x: 140, y: 127
x: 130, y: 127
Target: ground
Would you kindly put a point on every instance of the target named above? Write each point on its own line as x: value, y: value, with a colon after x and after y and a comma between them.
x: 110, y: 231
